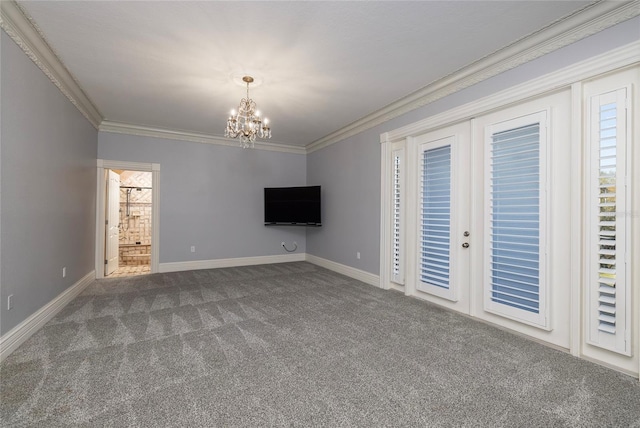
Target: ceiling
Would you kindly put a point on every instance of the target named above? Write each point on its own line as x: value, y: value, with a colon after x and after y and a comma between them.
x: 323, y: 65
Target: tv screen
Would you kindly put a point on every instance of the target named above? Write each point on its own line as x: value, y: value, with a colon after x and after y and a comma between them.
x: 292, y: 206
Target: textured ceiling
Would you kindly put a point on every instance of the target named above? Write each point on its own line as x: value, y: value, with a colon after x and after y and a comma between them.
x: 323, y: 65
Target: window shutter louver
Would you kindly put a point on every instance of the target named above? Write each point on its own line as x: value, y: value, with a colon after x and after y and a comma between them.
x: 608, y: 285
x: 515, y: 224
x: 607, y: 220
x: 435, y: 217
x: 397, y: 271
x: 516, y: 213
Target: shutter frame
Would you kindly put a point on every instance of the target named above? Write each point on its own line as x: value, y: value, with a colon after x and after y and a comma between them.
x: 515, y: 271
x: 608, y: 311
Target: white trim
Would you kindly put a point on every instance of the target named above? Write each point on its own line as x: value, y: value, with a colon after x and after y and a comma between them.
x: 610, y: 365
x: 476, y: 219
x: 385, y: 230
x: 148, y: 131
x: 154, y: 168
x: 615, y: 59
x: 101, y: 194
x: 155, y: 217
x: 132, y: 166
x: 351, y: 272
x: 577, y: 237
x: 23, y: 30
x: 233, y: 262
x: 581, y: 24
x: 23, y: 331
x: 411, y: 218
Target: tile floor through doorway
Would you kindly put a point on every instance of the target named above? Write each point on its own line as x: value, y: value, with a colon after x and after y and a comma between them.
x: 130, y: 271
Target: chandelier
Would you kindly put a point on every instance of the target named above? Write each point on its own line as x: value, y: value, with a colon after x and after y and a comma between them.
x: 246, y: 124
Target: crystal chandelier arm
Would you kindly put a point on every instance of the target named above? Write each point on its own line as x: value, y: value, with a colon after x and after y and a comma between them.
x: 247, y: 124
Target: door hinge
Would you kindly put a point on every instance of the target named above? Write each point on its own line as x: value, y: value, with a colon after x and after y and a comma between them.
x: 106, y: 261
x: 106, y: 222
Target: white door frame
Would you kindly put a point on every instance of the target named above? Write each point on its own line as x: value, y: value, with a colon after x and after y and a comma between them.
x: 112, y: 226
x: 154, y: 168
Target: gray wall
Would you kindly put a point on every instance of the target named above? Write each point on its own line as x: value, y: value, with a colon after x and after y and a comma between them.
x: 349, y: 171
x: 211, y: 196
x: 48, y: 182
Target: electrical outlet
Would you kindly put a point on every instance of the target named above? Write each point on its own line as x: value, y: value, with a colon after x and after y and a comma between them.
x: 10, y: 302
x: 358, y: 255
x: 64, y: 272
x: 193, y: 248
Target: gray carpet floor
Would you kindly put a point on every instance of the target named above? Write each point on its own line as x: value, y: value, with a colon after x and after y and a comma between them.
x: 292, y: 345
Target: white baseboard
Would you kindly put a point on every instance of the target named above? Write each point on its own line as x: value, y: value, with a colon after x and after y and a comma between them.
x: 23, y: 331
x: 222, y: 263
x: 360, y: 275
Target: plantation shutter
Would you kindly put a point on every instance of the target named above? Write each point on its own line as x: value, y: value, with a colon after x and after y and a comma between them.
x: 397, y: 271
x: 608, y: 291
x: 516, y: 200
x: 435, y: 217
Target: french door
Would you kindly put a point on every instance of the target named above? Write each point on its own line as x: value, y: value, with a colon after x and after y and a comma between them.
x: 520, y: 215
x: 440, y: 216
x: 478, y: 213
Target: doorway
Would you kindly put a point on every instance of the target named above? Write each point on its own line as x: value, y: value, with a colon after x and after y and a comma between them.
x: 442, y: 215
x: 129, y: 219
x: 127, y: 234
x: 472, y: 223
x: 426, y: 216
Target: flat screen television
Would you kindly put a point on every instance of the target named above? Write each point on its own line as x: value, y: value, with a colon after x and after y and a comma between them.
x: 297, y: 206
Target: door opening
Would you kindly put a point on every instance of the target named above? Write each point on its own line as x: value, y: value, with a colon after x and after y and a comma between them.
x: 128, y: 223
x: 127, y: 219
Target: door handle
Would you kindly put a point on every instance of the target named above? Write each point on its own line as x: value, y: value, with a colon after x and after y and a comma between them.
x: 465, y: 245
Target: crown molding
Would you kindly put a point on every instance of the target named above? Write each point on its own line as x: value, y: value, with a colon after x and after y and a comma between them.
x: 24, y: 32
x: 624, y: 56
x: 147, y: 131
x: 594, y: 18
x: 584, y: 23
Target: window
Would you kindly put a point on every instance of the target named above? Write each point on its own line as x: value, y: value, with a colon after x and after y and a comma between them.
x: 608, y: 311
x: 434, y: 228
x: 397, y: 239
x: 515, y: 285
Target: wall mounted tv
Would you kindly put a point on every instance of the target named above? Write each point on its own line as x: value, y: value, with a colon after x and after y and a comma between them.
x: 293, y: 206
